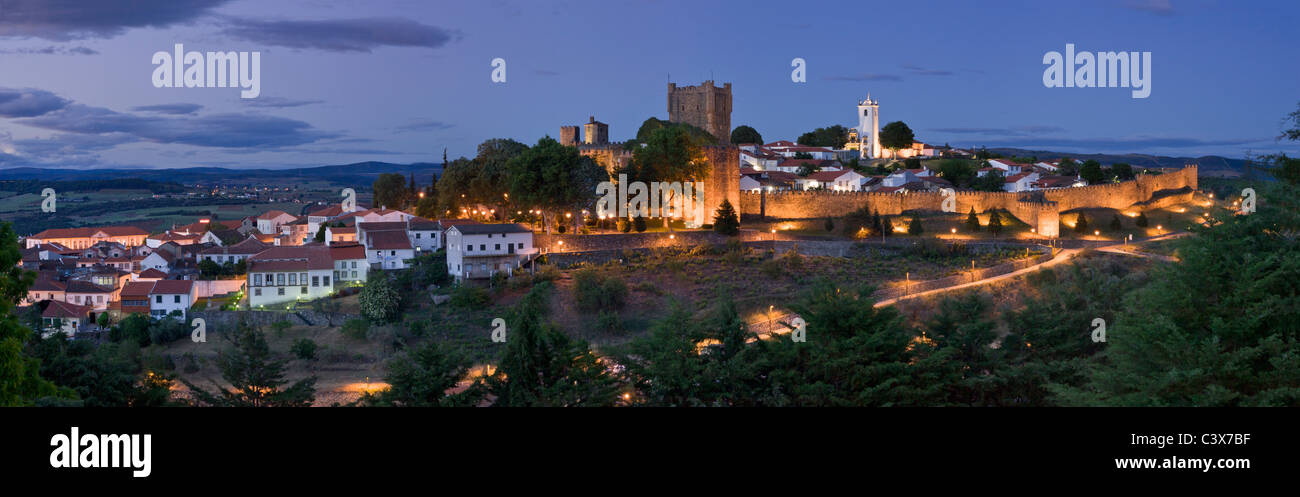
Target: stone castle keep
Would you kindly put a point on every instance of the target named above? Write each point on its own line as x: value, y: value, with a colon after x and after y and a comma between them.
x: 705, y: 106
x: 1039, y: 209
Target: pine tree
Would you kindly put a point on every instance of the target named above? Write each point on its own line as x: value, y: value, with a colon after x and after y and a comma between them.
x: 1081, y: 224
x: 1141, y: 220
x: 1116, y: 224
x: 256, y: 375
x: 638, y: 223
x: 972, y: 221
x: 995, y: 223
x: 886, y: 227
x: 725, y: 220
x: 914, y: 228
x: 542, y: 366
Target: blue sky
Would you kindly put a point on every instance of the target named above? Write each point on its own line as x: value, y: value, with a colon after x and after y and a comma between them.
x: 400, y: 80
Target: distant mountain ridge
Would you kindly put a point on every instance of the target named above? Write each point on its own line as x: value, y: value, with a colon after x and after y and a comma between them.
x: 360, y: 173
x: 1210, y: 165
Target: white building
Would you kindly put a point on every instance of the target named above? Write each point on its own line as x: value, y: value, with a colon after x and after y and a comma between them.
x: 269, y: 223
x: 286, y: 274
x: 168, y: 296
x: 481, y: 250
x: 388, y: 249
x: 424, y: 234
x: 845, y: 180
x: 1020, y: 182
x: 234, y: 253
x: 869, y: 128
x: 350, y: 264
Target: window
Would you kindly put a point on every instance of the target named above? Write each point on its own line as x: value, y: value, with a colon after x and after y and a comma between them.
x: 354, y: 266
x: 293, y: 279
x: 327, y: 280
x: 257, y: 292
x: 315, y: 281
x: 304, y: 290
x: 257, y: 279
x: 521, y: 245
x: 469, y: 248
x: 354, y: 275
x: 417, y: 236
x: 158, y: 299
x: 280, y: 291
x: 176, y: 299
x: 279, y: 281
x: 303, y: 278
x: 482, y: 246
x: 497, y: 247
x: 99, y: 299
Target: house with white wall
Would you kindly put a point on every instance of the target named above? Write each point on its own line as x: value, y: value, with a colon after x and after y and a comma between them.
x: 350, y: 263
x: 286, y: 274
x: 168, y: 296
x: 388, y: 249
x: 269, y: 223
x: 481, y: 250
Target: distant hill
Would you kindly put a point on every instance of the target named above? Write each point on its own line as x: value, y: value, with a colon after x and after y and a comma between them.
x: 1210, y: 165
x: 361, y: 173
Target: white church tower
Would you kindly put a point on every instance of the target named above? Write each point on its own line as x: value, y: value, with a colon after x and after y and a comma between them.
x: 869, y: 128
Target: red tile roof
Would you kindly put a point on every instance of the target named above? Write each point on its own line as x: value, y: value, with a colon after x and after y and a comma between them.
x: 389, y: 240
x: 172, y: 287
x: 58, y: 309
x: 152, y: 273
x: 88, y: 232
x: 291, y: 259
x: 347, y: 252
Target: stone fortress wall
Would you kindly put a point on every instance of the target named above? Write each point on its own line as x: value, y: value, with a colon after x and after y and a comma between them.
x: 1040, y: 209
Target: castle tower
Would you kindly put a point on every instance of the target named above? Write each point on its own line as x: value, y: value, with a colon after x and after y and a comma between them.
x: 595, y: 132
x: 705, y: 106
x: 869, y: 128
x: 569, y: 136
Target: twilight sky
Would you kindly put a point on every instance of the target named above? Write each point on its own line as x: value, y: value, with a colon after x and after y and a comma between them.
x: 398, y: 80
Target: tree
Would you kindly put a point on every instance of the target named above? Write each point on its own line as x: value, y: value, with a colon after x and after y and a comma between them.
x: 914, y: 228
x: 834, y: 136
x: 1116, y: 224
x: 21, y: 383
x: 256, y: 376
x: 1292, y: 120
x: 972, y: 221
x: 995, y: 222
x: 320, y: 232
x: 830, y: 224
x: 1121, y: 171
x: 554, y: 178
x: 725, y: 220
x: 1091, y: 172
x: 304, y: 348
x: 745, y: 134
x: 379, y: 299
x: 992, y: 181
x: 886, y: 227
x: 1216, y: 329
x: 638, y: 223
x: 542, y: 366
x: 1141, y: 220
x: 1068, y: 167
x: 896, y: 135
x: 423, y: 376
x: 1081, y: 224
x: 390, y: 191
x: 956, y: 171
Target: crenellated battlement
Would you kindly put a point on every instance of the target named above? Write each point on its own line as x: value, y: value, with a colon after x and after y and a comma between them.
x: 1041, y: 208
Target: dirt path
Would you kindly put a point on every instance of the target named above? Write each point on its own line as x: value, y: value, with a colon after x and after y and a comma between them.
x: 1063, y: 256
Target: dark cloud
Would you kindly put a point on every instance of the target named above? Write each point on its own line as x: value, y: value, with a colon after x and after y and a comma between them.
x: 921, y: 71
x: 277, y: 102
x: 1027, y: 130
x: 1161, y: 7
x: 866, y: 77
x: 173, y: 109
x: 340, y: 35
x: 29, y: 102
x: 1125, y: 143
x: 42, y: 109
x: 218, y: 130
x: 51, y: 50
x: 424, y: 125
x: 63, y: 20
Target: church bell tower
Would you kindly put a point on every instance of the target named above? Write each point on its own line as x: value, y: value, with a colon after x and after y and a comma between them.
x: 869, y: 128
